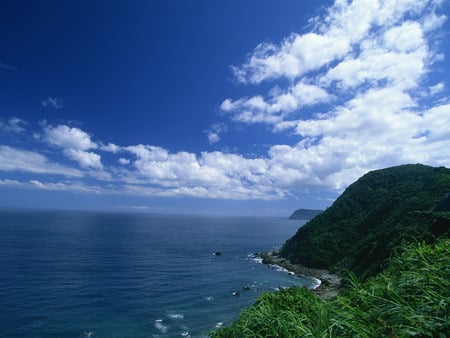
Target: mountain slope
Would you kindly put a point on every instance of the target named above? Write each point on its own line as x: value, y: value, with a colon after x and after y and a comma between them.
x: 371, y: 218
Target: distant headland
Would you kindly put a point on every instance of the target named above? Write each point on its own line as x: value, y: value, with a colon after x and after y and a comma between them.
x: 305, y: 214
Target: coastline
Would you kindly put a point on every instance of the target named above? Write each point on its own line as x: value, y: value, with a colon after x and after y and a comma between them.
x: 329, y: 283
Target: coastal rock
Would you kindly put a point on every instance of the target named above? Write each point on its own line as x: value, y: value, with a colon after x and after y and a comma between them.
x: 329, y: 283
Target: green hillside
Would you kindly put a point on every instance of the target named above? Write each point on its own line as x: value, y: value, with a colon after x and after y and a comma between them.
x: 388, y: 235
x: 371, y: 218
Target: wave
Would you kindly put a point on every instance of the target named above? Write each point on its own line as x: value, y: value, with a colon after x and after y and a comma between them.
x: 317, y: 282
x: 160, y: 326
x: 176, y: 316
x: 281, y: 269
x: 255, y: 258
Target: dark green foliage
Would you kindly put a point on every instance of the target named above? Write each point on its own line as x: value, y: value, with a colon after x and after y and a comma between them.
x: 444, y: 204
x: 410, y: 298
x: 371, y: 218
x: 305, y: 214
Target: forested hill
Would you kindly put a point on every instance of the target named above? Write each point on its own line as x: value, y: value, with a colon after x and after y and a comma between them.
x: 305, y: 214
x: 371, y: 218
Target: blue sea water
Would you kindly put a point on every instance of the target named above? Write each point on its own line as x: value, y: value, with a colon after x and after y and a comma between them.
x: 86, y: 274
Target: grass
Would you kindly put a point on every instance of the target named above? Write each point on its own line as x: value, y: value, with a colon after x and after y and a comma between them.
x: 409, y: 298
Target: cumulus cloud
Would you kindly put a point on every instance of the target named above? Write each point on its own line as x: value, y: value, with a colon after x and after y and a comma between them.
x: 297, y: 55
x: 111, y: 147
x: 357, y: 45
x: 70, y: 138
x: 75, y: 144
x: 209, y: 175
x: 278, y: 106
x: 86, y: 159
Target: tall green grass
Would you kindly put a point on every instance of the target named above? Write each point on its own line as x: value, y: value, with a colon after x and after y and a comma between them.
x: 409, y: 298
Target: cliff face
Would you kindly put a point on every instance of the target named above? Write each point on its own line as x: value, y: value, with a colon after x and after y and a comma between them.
x: 305, y: 214
x: 371, y: 218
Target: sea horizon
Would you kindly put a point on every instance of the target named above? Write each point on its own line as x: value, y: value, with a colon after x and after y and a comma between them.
x: 138, y: 210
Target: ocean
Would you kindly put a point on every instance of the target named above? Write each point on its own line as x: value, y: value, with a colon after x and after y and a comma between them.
x: 89, y: 274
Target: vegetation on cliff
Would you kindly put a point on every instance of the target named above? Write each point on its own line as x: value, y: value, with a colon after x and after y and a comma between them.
x: 410, y: 298
x: 371, y: 218
x: 389, y: 234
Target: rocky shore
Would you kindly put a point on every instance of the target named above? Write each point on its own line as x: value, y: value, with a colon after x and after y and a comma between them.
x: 329, y: 283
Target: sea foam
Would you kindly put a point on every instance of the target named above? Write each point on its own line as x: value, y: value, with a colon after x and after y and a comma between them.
x: 176, y: 316
x: 160, y: 326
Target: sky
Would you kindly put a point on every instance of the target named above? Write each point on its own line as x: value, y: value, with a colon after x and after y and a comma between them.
x: 255, y: 107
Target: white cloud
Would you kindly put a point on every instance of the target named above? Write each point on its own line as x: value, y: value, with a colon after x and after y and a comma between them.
x: 356, y: 46
x: 85, y: 159
x: 432, y: 21
x: 215, y: 131
x: 437, y: 88
x: 346, y: 28
x: 10, y: 182
x: 52, y: 102
x: 12, y: 159
x: 398, y: 56
x: 124, y: 161
x: 210, y: 175
x: 362, y: 137
x: 404, y: 38
x: 75, y: 144
x: 278, y: 107
x: 213, y: 137
x: 13, y: 125
x: 297, y: 55
x: 111, y: 147
x: 69, y: 138
x: 61, y: 186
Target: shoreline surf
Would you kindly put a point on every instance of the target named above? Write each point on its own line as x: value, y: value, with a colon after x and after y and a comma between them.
x: 328, y: 284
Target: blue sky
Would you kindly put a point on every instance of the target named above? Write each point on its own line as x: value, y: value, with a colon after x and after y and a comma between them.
x: 248, y: 107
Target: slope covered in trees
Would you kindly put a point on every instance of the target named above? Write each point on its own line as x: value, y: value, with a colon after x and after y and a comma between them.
x: 389, y: 234
x: 371, y: 218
